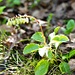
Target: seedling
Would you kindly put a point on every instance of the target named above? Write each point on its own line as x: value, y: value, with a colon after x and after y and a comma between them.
x: 69, y: 27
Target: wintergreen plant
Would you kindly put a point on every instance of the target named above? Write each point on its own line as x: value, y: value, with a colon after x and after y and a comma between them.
x: 48, y: 51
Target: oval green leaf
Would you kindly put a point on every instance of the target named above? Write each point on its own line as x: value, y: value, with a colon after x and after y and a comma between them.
x: 61, y: 38
x: 30, y: 48
x: 38, y: 37
x: 71, y: 53
x: 56, y: 29
x: 49, y: 54
x: 65, y: 56
x: 2, y: 8
x: 70, y: 26
x: 64, y: 67
x: 42, y: 67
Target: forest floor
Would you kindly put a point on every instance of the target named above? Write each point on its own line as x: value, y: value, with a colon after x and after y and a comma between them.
x: 51, y: 13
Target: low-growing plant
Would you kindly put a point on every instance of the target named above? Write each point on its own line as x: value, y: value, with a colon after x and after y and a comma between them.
x: 49, y: 52
x: 69, y: 27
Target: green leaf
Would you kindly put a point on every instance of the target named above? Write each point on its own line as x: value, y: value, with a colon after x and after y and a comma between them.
x: 17, y: 2
x: 30, y: 48
x: 65, y: 56
x: 70, y: 26
x: 60, y: 38
x: 49, y: 54
x: 42, y: 67
x: 67, y: 31
x: 38, y: 36
x: 56, y: 29
x: 0, y: 0
x: 1, y: 9
x: 71, y: 53
x: 64, y: 67
x: 64, y: 30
